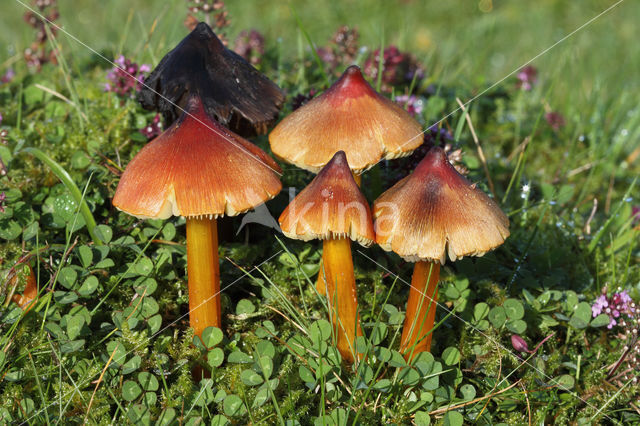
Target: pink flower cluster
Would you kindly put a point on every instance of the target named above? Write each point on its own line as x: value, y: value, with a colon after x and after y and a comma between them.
x: 614, y: 306
x: 414, y: 104
x: 399, y: 68
x: 153, y: 129
x: 126, y: 77
x: 527, y: 78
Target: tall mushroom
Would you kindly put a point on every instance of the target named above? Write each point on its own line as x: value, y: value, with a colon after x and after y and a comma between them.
x: 352, y: 117
x: 232, y: 91
x: 200, y: 170
x: 333, y: 209
x: 433, y: 212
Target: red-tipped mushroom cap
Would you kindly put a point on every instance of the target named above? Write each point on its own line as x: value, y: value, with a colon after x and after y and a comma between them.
x: 196, y: 168
x: 351, y: 117
x: 331, y: 206
x: 435, y: 211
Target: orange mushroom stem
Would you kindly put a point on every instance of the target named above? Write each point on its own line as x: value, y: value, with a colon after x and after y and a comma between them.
x: 421, y: 309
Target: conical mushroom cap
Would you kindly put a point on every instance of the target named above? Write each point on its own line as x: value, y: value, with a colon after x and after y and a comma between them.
x: 330, y: 207
x: 435, y: 211
x: 196, y: 168
x: 232, y: 91
x: 349, y: 116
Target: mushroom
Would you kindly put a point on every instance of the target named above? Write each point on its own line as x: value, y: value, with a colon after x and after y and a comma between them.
x: 232, y: 91
x: 333, y: 209
x: 198, y: 169
x: 433, y: 212
x: 352, y: 117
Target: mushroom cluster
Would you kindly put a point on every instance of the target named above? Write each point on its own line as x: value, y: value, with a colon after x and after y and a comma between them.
x: 201, y: 170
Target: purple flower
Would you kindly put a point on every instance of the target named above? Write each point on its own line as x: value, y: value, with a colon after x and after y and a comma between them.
x: 398, y: 68
x: 154, y: 129
x: 8, y: 76
x: 555, y: 120
x: 519, y: 344
x: 250, y: 45
x: 527, y: 78
x: 635, y: 214
x: 126, y: 77
x: 413, y: 104
x: 600, y: 304
x: 2, y: 198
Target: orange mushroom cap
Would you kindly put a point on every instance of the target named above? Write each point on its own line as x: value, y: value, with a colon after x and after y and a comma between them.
x: 330, y: 207
x: 352, y: 117
x: 435, y: 211
x: 196, y: 168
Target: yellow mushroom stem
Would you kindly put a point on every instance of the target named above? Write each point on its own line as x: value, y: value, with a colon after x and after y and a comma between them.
x: 421, y: 309
x: 320, y: 284
x: 341, y: 294
x: 203, y: 271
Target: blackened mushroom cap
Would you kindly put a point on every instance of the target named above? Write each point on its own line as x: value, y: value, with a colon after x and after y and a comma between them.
x: 435, y: 211
x: 232, y: 91
x: 196, y: 168
x: 349, y: 116
x: 330, y: 207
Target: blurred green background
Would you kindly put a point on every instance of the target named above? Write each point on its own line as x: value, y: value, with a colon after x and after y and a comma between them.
x: 468, y: 43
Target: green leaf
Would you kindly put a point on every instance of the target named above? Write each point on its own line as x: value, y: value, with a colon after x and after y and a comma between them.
x: 245, y: 306
x: 422, y: 418
x: 517, y: 326
x: 266, y: 366
x: 320, y: 331
x: 480, y: 311
x: 566, y: 382
x: 453, y: 418
x: 233, y: 406
x: 130, y: 390
x: 513, y: 309
x: 132, y: 365
x: 451, y: 356
x: 74, y: 326
x: 239, y: 357
x: 581, y: 316
x: 601, y: 320
x: 144, y: 266
x: 497, y: 316
x: 382, y: 385
x: 211, y: 336
x: 251, y: 378
x: 468, y: 392
x: 168, y: 415
x: 219, y: 420
x: 88, y: 286
x: 215, y: 357
x: 148, y: 381
x: 306, y: 375
x: 67, y: 277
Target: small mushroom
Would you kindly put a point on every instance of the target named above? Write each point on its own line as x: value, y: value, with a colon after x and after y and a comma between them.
x: 352, y: 117
x: 232, y: 91
x: 198, y: 169
x: 333, y: 209
x: 433, y: 212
